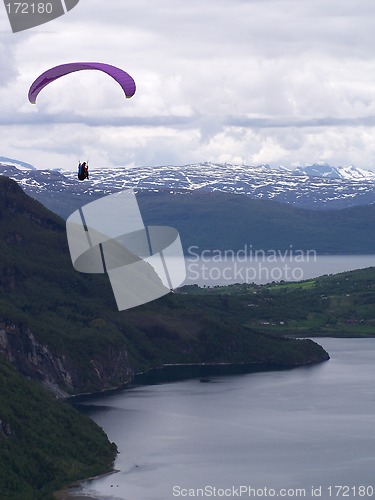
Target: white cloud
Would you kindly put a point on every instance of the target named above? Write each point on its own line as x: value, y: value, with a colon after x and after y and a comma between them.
x: 270, y: 81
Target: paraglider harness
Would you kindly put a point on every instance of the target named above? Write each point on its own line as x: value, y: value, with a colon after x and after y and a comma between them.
x: 83, y: 171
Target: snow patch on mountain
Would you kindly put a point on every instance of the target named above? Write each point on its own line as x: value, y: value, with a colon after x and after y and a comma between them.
x: 316, y: 186
x: 327, y: 171
x: 21, y: 165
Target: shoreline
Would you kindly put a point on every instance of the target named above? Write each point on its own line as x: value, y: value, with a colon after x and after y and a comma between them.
x: 173, y: 372
x: 164, y: 374
x: 68, y: 496
x: 68, y: 492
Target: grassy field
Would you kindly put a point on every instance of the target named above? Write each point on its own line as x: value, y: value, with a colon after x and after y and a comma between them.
x: 341, y: 305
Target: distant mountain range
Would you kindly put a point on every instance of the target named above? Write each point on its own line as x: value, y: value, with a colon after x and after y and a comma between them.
x: 350, y: 173
x: 5, y: 161
x: 318, y: 186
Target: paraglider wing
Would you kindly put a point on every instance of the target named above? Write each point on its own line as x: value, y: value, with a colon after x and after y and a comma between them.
x: 124, y: 79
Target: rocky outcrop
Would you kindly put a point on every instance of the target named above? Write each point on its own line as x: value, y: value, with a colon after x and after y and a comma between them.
x: 56, y: 370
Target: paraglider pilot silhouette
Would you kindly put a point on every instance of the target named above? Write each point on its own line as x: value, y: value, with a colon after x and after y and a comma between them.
x: 109, y: 236
x: 83, y: 171
x: 125, y: 81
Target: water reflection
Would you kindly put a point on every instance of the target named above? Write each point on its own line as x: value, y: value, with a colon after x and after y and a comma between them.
x: 305, y: 427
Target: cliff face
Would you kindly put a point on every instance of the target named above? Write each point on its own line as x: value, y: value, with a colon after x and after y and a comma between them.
x: 57, y: 371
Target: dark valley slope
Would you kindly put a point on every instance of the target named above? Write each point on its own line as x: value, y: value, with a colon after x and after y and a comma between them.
x: 62, y: 329
x: 226, y: 221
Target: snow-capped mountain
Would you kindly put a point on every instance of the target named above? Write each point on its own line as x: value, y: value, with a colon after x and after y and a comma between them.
x: 329, y: 172
x: 21, y: 165
x: 318, y: 186
x: 260, y: 181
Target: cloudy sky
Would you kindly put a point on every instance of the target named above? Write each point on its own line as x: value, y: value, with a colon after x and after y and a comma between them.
x: 284, y: 82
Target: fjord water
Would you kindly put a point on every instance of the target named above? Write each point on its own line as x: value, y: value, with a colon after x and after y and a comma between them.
x: 309, y: 427
x: 209, y: 269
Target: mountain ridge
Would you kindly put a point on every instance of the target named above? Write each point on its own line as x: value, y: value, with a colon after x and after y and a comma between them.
x: 317, y: 169
x: 216, y: 219
x: 4, y: 160
x: 325, y: 188
x: 327, y: 171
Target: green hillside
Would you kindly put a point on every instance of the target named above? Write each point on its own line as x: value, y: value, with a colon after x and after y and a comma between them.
x: 44, y: 443
x: 340, y: 305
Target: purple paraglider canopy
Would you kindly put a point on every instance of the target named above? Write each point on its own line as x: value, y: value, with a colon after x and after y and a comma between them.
x: 126, y: 81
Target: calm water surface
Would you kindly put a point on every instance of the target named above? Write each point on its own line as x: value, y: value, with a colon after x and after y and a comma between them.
x: 261, y: 269
x: 292, y: 429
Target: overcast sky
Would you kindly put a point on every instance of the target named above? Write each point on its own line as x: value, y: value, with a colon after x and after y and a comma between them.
x: 284, y: 82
